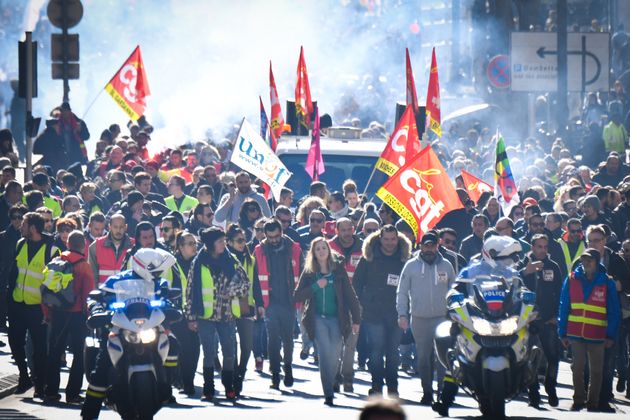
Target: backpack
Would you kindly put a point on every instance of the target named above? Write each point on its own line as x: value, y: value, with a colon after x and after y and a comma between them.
x: 56, y: 289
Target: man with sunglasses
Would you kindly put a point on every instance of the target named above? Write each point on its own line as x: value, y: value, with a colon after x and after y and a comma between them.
x: 369, y: 227
x: 448, y: 249
x: 285, y: 217
x: 317, y: 221
x: 168, y: 231
x: 542, y: 276
x: 12, y: 195
x: 202, y: 217
x: 280, y: 263
x: 572, y: 243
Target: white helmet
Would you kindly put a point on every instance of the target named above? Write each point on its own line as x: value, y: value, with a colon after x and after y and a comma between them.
x: 501, y: 250
x: 150, y: 263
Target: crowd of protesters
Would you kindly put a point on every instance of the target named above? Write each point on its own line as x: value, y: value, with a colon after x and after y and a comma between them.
x: 345, y: 274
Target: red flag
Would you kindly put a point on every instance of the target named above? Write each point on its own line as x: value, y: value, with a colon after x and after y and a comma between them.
x: 434, y: 118
x: 265, y: 131
x: 420, y: 192
x: 403, y: 144
x: 412, y: 99
x: 303, y: 103
x: 129, y: 86
x: 314, y: 161
x: 277, y: 122
x: 474, y: 186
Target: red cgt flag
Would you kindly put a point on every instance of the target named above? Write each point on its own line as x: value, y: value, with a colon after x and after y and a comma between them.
x: 474, y: 186
x: 403, y: 144
x: 129, y: 86
x: 434, y: 118
x: 277, y: 122
x: 303, y: 103
x: 412, y: 98
x: 420, y: 192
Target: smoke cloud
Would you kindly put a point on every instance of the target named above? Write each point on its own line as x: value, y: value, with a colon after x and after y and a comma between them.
x: 207, y: 61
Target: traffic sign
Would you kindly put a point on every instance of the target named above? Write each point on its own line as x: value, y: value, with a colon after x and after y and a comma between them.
x: 534, y: 61
x: 498, y: 71
x: 67, y: 52
x: 73, y: 13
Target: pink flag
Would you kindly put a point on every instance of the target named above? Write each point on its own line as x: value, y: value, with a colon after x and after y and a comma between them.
x: 315, y: 162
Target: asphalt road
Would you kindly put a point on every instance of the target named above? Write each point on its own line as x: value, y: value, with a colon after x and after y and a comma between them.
x: 304, y: 400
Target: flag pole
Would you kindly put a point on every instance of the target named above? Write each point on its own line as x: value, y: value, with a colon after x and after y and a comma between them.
x: 92, y: 103
x: 369, y: 180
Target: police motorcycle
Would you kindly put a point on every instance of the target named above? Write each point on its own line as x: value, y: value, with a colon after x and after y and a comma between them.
x: 486, y: 345
x: 133, y: 313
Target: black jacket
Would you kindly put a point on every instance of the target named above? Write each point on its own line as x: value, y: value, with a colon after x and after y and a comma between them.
x: 370, y: 281
x: 547, y: 283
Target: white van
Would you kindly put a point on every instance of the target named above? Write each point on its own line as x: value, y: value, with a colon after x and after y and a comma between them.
x: 345, y: 156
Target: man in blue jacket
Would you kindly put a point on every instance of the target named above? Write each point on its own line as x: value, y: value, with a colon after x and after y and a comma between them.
x: 588, y: 320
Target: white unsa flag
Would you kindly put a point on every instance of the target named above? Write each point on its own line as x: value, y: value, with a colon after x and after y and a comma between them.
x: 252, y: 154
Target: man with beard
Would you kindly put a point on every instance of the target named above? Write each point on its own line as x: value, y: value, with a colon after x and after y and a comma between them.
x: 280, y: 263
x: 142, y: 182
x: 168, y: 231
x: 107, y: 253
x: 230, y: 205
x: 32, y: 253
x: 424, y: 282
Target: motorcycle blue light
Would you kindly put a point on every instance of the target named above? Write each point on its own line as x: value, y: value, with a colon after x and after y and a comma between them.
x: 156, y: 303
x: 115, y: 306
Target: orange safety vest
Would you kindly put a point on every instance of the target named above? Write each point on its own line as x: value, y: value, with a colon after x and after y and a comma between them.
x: 350, y: 264
x: 588, y: 319
x: 108, y: 264
x: 263, y: 269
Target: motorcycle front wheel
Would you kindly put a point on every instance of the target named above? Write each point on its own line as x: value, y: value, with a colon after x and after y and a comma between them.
x: 144, y: 395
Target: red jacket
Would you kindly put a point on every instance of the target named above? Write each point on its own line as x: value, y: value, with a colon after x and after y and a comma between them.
x: 83, y: 282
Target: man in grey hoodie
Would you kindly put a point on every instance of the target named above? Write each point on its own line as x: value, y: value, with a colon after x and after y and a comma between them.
x: 424, y: 282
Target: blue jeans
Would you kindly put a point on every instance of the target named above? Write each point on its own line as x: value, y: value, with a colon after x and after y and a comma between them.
x: 383, y: 339
x: 328, y: 339
x: 226, y: 331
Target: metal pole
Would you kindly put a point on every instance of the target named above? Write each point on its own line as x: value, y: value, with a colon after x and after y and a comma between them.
x: 64, y: 17
x: 583, y: 67
x: 563, y: 108
x: 29, y: 106
x: 455, y: 36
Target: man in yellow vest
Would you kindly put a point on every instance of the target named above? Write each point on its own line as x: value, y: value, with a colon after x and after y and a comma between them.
x: 572, y: 243
x: 178, y: 201
x: 41, y: 182
x: 33, y: 252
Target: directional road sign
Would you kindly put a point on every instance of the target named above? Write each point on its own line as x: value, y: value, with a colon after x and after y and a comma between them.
x: 534, y: 61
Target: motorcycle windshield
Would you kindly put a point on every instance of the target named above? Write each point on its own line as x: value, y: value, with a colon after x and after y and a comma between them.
x: 126, y: 290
